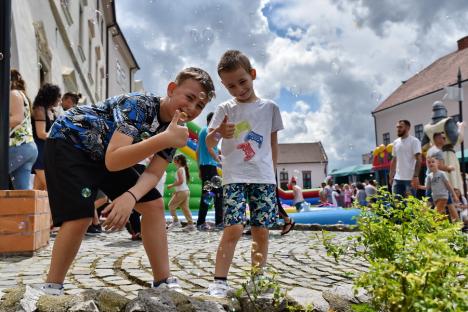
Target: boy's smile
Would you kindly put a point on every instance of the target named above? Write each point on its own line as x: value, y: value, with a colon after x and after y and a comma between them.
x: 185, y: 98
x: 239, y: 84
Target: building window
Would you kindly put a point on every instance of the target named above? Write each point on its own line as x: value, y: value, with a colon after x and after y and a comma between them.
x: 419, y: 131
x: 90, y: 60
x: 80, y: 33
x: 386, y: 138
x: 284, y: 179
x: 306, y: 179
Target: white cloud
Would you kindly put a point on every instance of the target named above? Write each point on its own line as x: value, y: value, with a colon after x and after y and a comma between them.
x: 348, y: 54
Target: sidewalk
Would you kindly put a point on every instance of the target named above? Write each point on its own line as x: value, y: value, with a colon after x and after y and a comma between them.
x: 113, y: 261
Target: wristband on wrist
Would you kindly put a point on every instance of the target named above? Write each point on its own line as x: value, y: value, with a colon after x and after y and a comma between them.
x: 133, y: 195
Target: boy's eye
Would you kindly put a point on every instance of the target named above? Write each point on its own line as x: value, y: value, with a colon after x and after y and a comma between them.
x: 242, y: 81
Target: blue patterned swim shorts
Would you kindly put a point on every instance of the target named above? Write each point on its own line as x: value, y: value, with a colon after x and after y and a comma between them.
x: 261, y: 199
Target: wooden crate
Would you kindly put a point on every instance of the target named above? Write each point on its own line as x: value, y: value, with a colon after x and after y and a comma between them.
x: 24, y: 221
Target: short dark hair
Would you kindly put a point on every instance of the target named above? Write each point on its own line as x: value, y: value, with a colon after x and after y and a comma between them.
x: 200, y: 76
x: 437, y: 134
x: 406, y: 122
x: 232, y: 60
x: 208, y: 117
x: 73, y: 95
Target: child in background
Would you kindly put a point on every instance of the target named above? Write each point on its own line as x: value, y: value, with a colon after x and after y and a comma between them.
x: 181, y: 196
x: 361, y: 195
x: 248, y: 126
x: 347, y: 196
x: 298, y: 200
x: 438, y: 183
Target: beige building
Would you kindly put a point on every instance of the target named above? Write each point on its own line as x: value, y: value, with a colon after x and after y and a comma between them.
x: 307, y: 162
x: 413, y: 99
x: 76, y: 44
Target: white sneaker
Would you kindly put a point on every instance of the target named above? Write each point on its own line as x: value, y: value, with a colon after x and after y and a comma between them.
x: 50, y: 289
x: 34, y: 291
x: 174, y: 225
x: 171, y: 283
x: 219, y: 289
x: 189, y: 228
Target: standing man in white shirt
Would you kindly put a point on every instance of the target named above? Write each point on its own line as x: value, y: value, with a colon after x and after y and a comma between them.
x: 406, y: 162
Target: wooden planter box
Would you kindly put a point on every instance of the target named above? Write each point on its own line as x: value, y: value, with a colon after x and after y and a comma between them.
x: 24, y: 221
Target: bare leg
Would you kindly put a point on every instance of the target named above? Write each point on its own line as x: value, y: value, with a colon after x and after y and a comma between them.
x: 40, y: 180
x: 259, y: 250
x: 153, y: 232
x: 440, y: 206
x: 66, y: 246
x: 226, y: 249
x: 453, y: 213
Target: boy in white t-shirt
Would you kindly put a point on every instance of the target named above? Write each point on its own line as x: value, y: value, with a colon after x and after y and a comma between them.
x: 248, y: 126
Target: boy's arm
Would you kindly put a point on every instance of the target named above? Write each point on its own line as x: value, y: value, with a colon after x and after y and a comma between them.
x: 274, y: 148
x: 122, y: 154
x: 120, y: 208
x: 225, y: 130
x: 451, y: 190
x: 393, y: 165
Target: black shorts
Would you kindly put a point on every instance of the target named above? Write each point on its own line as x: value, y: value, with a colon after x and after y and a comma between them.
x: 73, y: 180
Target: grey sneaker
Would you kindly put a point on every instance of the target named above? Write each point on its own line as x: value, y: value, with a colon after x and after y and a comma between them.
x: 203, y: 227
x: 189, y: 228
x: 174, y: 225
x: 51, y: 289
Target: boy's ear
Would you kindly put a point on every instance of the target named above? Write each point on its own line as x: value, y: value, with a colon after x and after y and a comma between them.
x: 253, y: 73
x: 171, y: 87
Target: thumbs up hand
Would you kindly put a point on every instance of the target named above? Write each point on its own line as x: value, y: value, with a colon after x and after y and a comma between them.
x: 226, y: 128
x: 178, y: 134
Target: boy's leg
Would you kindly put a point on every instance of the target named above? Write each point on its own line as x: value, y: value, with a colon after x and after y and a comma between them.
x: 153, y: 232
x: 203, y: 210
x: 226, y: 249
x: 440, y: 205
x: 263, y: 211
x: 65, y: 248
x: 235, y: 205
x: 259, y: 250
x: 453, y: 213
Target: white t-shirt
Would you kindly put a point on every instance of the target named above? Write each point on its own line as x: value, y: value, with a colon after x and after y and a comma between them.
x: 404, y: 150
x: 247, y: 156
x: 183, y: 186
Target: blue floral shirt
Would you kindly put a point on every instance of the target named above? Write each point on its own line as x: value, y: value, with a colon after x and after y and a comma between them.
x: 90, y: 127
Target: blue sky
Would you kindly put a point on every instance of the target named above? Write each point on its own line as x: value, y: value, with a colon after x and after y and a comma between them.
x: 327, y: 63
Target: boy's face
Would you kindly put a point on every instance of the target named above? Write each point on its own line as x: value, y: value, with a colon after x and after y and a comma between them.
x: 432, y: 164
x: 239, y: 84
x: 188, y: 97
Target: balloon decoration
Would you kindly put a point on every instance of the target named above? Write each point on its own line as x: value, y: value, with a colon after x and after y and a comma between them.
x: 382, y: 156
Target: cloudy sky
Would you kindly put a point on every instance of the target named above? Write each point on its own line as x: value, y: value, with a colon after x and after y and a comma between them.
x: 327, y: 63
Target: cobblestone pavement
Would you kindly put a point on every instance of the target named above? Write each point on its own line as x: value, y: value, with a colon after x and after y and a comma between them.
x: 112, y: 260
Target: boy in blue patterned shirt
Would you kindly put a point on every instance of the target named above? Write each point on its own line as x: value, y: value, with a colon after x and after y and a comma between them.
x: 96, y: 146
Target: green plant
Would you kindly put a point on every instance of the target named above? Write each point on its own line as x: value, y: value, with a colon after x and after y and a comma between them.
x: 417, y: 257
x: 261, y: 281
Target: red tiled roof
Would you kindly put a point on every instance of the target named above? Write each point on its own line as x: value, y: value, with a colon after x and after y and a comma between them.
x: 436, y: 76
x: 293, y: 153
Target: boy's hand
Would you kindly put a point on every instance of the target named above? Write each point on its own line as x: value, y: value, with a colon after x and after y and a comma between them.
x: 226, y: 129
x: 118, y: 212
x: 178, y: 135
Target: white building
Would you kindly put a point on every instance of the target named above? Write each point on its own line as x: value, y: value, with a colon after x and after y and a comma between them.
x: 75, y: 44
x: 307, y: 162
x: 413, y: 99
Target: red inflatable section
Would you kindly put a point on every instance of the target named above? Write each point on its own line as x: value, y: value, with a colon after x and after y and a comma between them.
x: 306, y: 193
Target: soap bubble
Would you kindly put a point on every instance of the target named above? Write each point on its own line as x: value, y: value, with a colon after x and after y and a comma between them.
x: 195, y: 34
x: 144, y: 136
x: 1, y: 56
x: 208, y: 34
x: 335, y: 68
x: 85, y: 192
x: 207, y: 186
x: 216, y: 181
x: 202, y: 95
x: 376, y: 96
x: 39, y: 65
x: 340, y: 225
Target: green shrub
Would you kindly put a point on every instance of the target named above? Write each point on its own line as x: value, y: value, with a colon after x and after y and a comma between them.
x: 417, y: 257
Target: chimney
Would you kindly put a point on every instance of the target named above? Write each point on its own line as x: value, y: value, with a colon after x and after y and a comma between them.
x: 462, y: 43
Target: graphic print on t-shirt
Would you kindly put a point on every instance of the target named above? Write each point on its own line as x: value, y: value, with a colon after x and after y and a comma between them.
x: 246, y: 147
